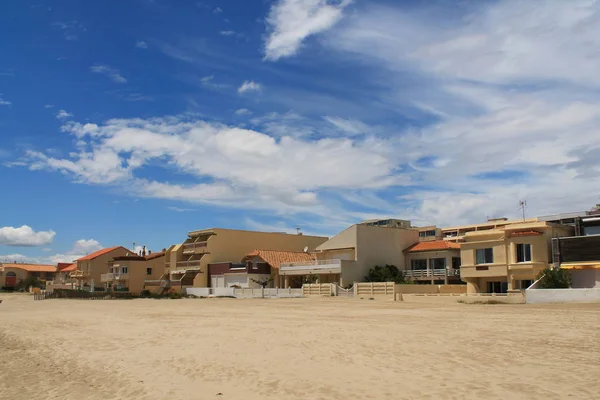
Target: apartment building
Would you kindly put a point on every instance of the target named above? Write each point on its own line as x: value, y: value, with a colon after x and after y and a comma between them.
x: 348, y: 256
x: 91, y: 267
x: 128, y: 273
x: 433, y: 261
x: 187, y: 262
x: 507, y: 257
x: 457, y: 233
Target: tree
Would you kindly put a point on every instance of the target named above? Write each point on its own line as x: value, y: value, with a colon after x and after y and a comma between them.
x: 555, y: 278
x: 387, y: 273
x: 30, y: 281
x: 263, y: 282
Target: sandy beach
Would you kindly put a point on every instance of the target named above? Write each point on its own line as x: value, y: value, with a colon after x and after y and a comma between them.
x: 295, y: 349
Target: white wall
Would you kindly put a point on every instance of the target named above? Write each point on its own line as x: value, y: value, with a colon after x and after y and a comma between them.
x: 540, y: 296
x: 585, y: 278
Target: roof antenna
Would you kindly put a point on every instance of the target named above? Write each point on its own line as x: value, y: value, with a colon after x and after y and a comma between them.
x: 523, y: 206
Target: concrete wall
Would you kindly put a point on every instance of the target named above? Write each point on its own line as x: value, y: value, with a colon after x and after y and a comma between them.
x: 233, y: 245
x: 541, y: 296
x: 431, y: 289
x: 585, y: 278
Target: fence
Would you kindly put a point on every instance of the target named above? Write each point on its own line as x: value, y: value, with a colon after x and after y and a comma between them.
x: 245, y: 293
x: 318, y: 289
x: 82, y: 295
x: 374, y: 289
x: 540, y: 296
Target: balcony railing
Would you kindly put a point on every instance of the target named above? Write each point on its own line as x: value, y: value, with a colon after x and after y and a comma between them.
x: 188, y: 264
x: 425, y: 273
x: 110, y: 277
x: 161, y: 283
x: 327, y: 266
x: 197, y: 247
x: 79, y: 274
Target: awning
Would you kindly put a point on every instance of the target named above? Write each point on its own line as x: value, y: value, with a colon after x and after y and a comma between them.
x: 581, y: 265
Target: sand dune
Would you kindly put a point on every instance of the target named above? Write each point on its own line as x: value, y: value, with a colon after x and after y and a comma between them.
x: 295, y: 349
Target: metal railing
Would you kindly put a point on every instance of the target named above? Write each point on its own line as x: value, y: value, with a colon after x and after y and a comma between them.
x: 190, y: 247
x: 424, y: 273
x: 186, y: 264
x: 111, y: 276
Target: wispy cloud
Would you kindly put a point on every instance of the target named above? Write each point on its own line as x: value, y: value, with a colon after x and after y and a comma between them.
x: 227, y: 33
x: 4, y: 102
x: 138, y: 97
x: 178, y: 209
x: 217, y: 10
x: 48, y: 105
x: 243, y: 111
x: 62, y: 114
x: 69, y: 29
x: 348, y: 126
x: 249, y: 86
x: 140, y: 44
x: 79, y: 249
x: 291, y: 21
x: 112, y: 73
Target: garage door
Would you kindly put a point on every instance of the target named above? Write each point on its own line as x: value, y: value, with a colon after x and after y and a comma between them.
x: 11, y: 279
x: 217, y: 281
x: 239, y: 280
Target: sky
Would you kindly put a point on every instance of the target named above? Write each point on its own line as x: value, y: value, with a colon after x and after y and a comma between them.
x: 138, y: 121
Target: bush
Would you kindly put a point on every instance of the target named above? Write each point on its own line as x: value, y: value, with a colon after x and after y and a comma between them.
x: 555, y: 278
x: 387, y: 273
x: 24, y: 285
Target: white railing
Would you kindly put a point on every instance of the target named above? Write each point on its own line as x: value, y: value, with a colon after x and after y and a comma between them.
x: 187, y: 264
x: 312, y: 265
x: 242, y: 293
x: 191, y: 247
x: 423, y: 273
x: 107, y: 277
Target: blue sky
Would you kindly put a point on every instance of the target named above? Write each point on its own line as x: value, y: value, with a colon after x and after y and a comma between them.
x: 139, y: 121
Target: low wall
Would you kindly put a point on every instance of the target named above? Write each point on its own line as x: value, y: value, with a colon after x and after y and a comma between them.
x: 541, y: 296
x: 431, y: 289
x: 245, y: 293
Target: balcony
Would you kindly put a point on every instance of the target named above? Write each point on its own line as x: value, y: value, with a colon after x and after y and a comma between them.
x: 195, y: 248
x: 313, y: 267
x: 429, y: 273
x: 79, y: 274
x: 188, y: 264
x: 110, y: 277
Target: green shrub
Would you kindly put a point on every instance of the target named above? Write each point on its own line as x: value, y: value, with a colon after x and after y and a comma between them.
x: 555, y: 278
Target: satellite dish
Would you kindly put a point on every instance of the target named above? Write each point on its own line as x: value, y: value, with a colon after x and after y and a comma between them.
x: 305, y: 249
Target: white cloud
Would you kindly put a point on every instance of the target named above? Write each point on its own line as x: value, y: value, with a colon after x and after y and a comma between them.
x: 4, y: 102
x: 243, y: 111
x: 217, y: 10
x: 249, y: 86
x: 349, y: 126
x: 48, y: 105
x: 291, y: 21
x: 112, y: 73
x: 227, y: 33
x: 25, y: 236
x: 80, y: 249
x: 62, y: 114
x: 179, y: 209
x: 140, y: 44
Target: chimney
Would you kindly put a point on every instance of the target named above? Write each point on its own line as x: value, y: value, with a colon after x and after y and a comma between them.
x: 149, y: 251
x: 144, y: 251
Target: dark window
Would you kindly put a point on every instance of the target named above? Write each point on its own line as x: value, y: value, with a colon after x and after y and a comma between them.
x: 437, y: 263
x: 497, y: 287
x: 485, y: 256
x: 148, y: 271
x: 525, y: 283
x: 418, y: 264
x: 455, y: 262
x: 523, y: 252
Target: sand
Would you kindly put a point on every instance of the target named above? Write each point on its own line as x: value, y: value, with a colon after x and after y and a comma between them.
x: 295, y: 349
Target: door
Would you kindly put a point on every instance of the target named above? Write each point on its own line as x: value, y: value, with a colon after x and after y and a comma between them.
x: 217, y: 281
x: 11, y: 279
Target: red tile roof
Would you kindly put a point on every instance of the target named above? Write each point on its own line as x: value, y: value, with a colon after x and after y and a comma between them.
x: 99, y: 253
x: 433, y: 246
x: 31, y: 267
x: 68, y: 268
x: 155, y: 255
x: 525, y: 233
x: 274, y: 258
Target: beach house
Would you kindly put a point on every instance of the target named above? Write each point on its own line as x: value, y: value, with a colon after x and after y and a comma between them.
x: 187, y: 263
x: 91, y: 267
x: 11, y: 274
x: 347, y: 257
x: 508, y: 257
x: 433, y: 261
x: 128, y: 273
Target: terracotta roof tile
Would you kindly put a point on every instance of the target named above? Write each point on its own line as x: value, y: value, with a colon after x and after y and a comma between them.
x: 155, y: 255
x: 69, y: 268
x: 98, y: 253
x: 433, y: 245
x: 274, y: 258
x: 32, y: 267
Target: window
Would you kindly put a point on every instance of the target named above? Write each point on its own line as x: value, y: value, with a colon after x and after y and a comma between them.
x: 418, y: 264
x: 427, y: 233
x: 455, y: 262
x: 497, y: 287
x: 485, y: 256
x: 148, y: 271
x: 525, y: 283
x: 123, y: 270
x: 523, y: 252
x: 437, y: 263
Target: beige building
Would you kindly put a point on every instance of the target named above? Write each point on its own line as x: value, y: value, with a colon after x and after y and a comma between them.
x: 187, y: 262
x: 11, y: 274
x: 433, y: 261
x: 91, y: 267
x: 129, y: 272
x: 509, y: 257
x: 348, y: 256
x: 457, y: 233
